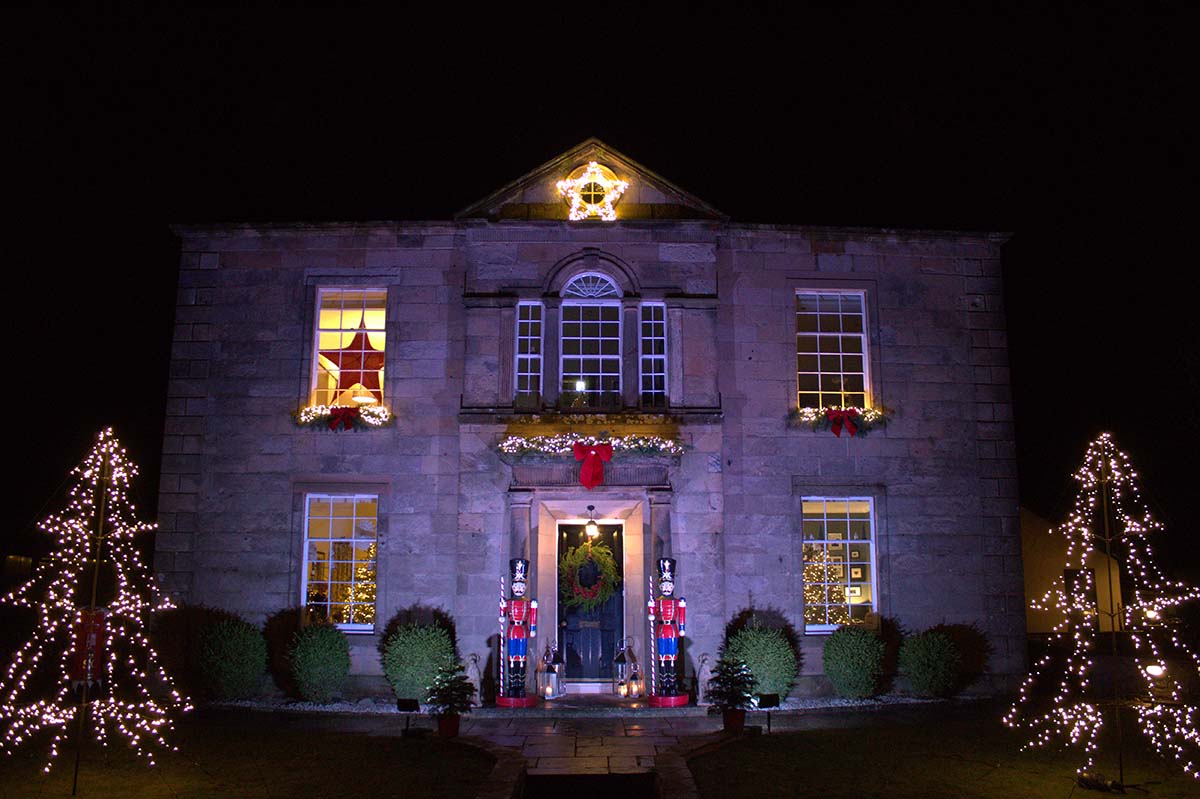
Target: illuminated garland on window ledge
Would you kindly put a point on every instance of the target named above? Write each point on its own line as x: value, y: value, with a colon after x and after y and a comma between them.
x: 344, y: 417
x: 838, y: 419
x: 564, y: 444
x: 1076, y: 715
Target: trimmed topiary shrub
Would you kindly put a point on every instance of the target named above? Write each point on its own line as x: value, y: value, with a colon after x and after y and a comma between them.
x: 176, y: 634
x: 232, y: 659
x: 768, y: 654
x: 853, y: 661
x: 931, y: 663
x: 320, y: 661
x: 412, y: 657
x: 974, y: 651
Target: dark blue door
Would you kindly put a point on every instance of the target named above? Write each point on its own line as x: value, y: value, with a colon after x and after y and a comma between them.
x: 590, y: 638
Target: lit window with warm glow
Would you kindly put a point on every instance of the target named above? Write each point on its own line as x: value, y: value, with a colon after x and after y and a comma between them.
x: 839, y: 561
x: 340, y: 549
x: 831, y: 349
x: 349, y: 352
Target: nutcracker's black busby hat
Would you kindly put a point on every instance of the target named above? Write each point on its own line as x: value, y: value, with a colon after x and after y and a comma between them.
x: 666, y: 569
x: 518, y: 570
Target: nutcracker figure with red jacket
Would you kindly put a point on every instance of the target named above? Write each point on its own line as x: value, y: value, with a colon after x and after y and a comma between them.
x: 668, y: 619
x: 521, y: 614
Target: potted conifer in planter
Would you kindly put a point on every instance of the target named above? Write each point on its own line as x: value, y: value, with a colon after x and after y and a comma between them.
x: 732, y: 690
x: 449, y: 697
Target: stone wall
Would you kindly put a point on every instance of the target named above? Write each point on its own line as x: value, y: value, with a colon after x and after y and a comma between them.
x: 236, y: 468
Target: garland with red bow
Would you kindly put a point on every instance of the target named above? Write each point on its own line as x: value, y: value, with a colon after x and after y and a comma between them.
x: 852, y: 421
x: 344, y: 417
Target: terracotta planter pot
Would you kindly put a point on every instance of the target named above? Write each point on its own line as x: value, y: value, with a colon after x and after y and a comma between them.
x: 735, y: 720
x: 448, y: 725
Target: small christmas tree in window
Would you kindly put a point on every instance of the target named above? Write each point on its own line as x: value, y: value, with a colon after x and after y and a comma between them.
x: 1109, y: 517
x: 87, y: 667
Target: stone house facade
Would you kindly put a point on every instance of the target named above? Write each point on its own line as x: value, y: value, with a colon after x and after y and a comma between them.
x: 669, y: 321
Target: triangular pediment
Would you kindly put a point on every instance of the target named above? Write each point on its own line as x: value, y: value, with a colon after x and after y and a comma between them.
x: 536, y: 195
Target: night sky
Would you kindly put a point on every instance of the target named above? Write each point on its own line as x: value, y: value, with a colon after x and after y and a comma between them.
x: 1069, y: 128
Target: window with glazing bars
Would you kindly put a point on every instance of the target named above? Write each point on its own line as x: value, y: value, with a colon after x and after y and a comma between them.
x: 591, y: 351
x: 839, y: 561
x: 654, y: 355
x: 340, y: 549
x: 831, y: 349
x: 529, y: 349
x: 350, y: 338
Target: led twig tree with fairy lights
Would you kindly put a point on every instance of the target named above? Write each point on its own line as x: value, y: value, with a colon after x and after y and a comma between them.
x: 1109, y: 517
x: 86, y: 667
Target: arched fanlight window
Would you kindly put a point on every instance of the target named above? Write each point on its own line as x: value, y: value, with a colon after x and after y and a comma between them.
x: 591, y: 286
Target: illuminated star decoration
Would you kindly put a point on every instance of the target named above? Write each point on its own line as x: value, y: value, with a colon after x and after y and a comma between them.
x: 593, y: 193
x: 137, y: 698
x: 358, y: 363
x: 1170, y: 725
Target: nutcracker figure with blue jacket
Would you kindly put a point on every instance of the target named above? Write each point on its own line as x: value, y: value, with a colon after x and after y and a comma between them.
x: 521, y: 616
x: 668, y: 620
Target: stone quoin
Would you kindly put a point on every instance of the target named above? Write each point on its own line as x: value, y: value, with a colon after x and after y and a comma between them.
x: 713, y: 348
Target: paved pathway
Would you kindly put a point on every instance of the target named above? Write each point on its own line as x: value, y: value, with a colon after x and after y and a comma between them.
x: 581, y: 745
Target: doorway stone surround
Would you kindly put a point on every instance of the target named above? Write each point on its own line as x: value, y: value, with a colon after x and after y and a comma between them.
x: 644, y: 515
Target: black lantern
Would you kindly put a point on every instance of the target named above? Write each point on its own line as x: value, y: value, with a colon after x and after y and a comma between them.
x: 620, y: 663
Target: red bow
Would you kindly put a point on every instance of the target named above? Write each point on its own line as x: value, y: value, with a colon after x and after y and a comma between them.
x: 839, y: 418
x: 594, y: 456
x: 342, y: 416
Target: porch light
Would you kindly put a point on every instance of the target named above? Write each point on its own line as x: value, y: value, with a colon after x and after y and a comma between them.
x: 591, y: 528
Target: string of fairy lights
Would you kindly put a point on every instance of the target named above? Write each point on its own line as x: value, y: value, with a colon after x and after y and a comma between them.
x: 1108, y: 484
x: 60, y: 592
x: 563, y: 444
x: 369, y: 415
x: 592, y: 193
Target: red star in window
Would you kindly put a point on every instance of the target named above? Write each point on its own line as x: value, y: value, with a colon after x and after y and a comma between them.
x: 358, y: 363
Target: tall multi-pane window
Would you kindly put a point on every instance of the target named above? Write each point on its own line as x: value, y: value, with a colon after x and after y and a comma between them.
x: 349, y: 352
x: 831, y: 349
x: 654, y: 354
x: 590, y: 341
x: 340, y: 549
x: 839, y: 561
x: 529, y: 350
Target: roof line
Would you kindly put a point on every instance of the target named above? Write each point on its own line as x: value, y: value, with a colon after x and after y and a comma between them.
x: 555, y: 165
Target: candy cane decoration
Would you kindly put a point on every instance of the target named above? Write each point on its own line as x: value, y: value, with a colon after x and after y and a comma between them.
x: 500, y: 642
x: 653, y: 641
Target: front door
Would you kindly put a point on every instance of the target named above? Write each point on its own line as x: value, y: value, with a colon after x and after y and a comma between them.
x: 590, y: 637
